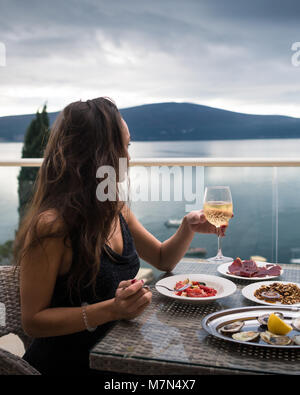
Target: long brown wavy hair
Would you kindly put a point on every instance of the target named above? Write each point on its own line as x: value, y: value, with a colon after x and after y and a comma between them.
x: 84, y: 136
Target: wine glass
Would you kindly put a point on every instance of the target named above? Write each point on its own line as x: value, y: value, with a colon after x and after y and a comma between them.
x: 218, y: 210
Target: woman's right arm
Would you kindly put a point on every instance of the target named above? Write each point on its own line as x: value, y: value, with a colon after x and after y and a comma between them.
x: 39, y: 270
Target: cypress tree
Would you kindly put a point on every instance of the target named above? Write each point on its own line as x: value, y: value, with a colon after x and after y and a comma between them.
x: 35, y: 141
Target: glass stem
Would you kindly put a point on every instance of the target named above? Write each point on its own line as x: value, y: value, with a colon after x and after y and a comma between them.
x: 219, y: 254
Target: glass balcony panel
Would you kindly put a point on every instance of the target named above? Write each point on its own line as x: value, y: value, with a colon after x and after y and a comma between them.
x: 266, y: 207
x: 288, y: 215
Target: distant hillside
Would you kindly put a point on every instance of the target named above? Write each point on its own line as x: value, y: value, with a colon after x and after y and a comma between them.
x: 13, y: 128
x: 180, y: 121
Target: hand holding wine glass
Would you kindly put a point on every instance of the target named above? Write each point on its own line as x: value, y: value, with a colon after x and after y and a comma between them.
x: 199, y: 223
x: 218, y: 210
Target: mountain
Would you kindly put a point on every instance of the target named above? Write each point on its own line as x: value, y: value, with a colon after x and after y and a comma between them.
x: 13, y: 128
x: 180, y: 121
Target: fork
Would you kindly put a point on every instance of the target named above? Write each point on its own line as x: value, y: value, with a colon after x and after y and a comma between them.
x: 179, y: 289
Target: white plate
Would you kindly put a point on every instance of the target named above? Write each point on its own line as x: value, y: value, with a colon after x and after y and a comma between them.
x: 223, y: 269
x: 248, y: 293
x: 223, y: 287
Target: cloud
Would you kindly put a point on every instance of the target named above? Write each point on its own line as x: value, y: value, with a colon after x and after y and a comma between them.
x: 232, y: 54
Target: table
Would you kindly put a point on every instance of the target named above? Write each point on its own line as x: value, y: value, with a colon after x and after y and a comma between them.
x: 168, y: 338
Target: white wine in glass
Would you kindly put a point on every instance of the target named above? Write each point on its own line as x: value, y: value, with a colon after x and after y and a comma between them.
x: 218, y: 210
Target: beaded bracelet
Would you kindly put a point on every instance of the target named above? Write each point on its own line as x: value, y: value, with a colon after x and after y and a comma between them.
x: 85, y: 319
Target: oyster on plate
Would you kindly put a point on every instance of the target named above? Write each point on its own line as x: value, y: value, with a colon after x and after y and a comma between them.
x: 296, y: 340
x: 246, y: 336
x: 263, y: 319
x: 296, y: 323
x: 276, y: 340
x: 234, y: 327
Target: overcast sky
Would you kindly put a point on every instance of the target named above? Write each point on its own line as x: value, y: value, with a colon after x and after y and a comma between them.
x: 231, y: 54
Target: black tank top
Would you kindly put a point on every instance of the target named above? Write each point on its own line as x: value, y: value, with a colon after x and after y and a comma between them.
x: 69, y: 354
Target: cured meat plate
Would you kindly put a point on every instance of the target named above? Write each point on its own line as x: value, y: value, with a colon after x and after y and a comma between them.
x: 265, y: 271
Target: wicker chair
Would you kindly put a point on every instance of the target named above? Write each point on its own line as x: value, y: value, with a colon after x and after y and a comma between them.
x: 10, y: 298
x: 11, y: 364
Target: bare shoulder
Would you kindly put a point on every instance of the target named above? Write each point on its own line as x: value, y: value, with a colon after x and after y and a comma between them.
x: 47, y: 241
x: 127, y: 213
x: 134, y: 224
x: 50, y: 221
x: 48, y: 224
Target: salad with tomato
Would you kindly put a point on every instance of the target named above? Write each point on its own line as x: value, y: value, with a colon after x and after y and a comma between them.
x: 196, y: 289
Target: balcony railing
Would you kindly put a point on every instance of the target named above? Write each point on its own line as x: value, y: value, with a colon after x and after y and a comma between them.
x: 205, y: 162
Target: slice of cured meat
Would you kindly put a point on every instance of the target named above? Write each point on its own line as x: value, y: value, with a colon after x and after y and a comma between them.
x: 269, y: 270
x: 274, y: 270
x: 262, y: 272
x: 236, y: 266
x: 247, y: 269
x: 250, y: 266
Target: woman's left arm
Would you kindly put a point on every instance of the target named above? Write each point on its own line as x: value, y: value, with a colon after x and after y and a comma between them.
x: 165, y: 255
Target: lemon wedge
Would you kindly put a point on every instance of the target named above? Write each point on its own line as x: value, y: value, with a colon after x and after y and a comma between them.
x: 277, y: 326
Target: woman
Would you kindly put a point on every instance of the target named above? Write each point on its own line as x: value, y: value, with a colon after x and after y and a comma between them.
x: 79, y: 256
